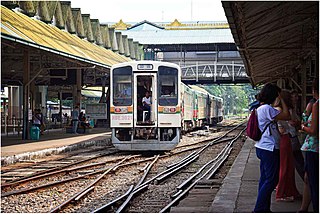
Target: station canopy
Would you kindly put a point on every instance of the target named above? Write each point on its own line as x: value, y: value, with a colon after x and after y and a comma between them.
x: 273, y: 37
x: 22, y: 29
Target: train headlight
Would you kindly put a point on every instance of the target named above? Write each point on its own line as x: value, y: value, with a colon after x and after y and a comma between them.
x: 121, y: 110
x: 173, y: 110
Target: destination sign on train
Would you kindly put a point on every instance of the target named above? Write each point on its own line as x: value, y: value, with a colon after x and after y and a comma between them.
x: 145, y: 67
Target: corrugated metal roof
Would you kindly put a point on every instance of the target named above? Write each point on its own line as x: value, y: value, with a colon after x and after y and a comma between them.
x: 274, y: 37
x: 166, y: 37
x: 24, y: 28
x: 88, y: 93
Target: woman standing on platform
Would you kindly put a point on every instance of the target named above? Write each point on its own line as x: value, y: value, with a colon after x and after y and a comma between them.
x: 286, y: 188
x: 267, y: 148
x: 294, y: 125
x: 311, y: 148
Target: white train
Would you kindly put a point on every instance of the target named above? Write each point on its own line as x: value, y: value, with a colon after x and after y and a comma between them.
x: 174, y: 106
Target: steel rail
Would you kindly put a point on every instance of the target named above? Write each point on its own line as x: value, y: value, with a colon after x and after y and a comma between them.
x: 217, y: 140
x: 217, y: 165
x: 144, y: 185
x: 25, y: 190
x: 201, y: 146
x: 181, y: 186
x: 134, y: 162
x: 138, y: 186
x: 175, y: 169
x: 59, y: 207
x: 104, y: 208
x: 210, y: 139
x: 178, y: 197
x: 47, y: 172
x: 131, y: 191
x: 188, y: 156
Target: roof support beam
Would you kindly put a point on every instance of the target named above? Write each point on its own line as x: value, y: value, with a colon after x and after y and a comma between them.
x: 280, y: 29
x: 251, y: 19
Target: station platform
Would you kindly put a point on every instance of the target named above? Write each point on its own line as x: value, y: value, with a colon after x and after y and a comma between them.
x: 53, y: 141
x: 238, y: 193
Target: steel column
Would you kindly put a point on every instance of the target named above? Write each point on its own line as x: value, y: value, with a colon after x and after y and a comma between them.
x: 26, y: 89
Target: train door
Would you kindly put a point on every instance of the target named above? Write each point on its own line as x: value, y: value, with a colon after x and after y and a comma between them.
x: 145, y: 114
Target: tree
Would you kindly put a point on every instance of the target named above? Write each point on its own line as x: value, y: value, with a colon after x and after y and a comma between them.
x: 236, y: 97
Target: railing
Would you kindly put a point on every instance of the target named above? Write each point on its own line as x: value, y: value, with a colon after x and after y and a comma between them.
x: 215, y: 72
x: 11, y: 125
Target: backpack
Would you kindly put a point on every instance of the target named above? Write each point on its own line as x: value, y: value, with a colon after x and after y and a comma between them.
x: 253, y: 130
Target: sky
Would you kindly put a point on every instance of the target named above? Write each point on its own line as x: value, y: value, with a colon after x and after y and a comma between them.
x: 151, y: 10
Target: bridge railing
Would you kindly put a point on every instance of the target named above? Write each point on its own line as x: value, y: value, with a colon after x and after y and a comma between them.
x: 231, y: 71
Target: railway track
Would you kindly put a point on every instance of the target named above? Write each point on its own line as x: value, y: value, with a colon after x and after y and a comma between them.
x: 62, y: 186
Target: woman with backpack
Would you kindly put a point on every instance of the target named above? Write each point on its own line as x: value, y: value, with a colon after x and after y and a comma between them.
x: 267, y: 148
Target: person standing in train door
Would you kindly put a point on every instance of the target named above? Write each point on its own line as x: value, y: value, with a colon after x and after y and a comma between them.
x: 267, y: 148
x: 146, y: 102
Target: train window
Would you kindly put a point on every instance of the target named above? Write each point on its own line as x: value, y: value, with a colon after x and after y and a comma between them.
x: 168, y: 86
x: 122, y: 86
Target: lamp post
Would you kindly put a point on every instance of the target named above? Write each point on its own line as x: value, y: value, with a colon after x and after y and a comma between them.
x: 235, y: 106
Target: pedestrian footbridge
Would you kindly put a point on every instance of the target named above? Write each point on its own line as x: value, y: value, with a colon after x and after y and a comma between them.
x: 214, y: 73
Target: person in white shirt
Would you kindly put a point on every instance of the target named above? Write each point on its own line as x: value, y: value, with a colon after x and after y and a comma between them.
x: 146, y: 102
x: 267, y: 148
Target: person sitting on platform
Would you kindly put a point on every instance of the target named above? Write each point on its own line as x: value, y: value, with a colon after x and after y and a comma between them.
x: 37, y: 119
x: 83, y: 122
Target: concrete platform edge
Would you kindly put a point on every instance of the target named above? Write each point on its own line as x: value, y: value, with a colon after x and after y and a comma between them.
x: 55, y: 150
x: 226, y: 198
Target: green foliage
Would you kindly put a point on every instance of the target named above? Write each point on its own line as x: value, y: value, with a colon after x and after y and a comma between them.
x: 236, y: 98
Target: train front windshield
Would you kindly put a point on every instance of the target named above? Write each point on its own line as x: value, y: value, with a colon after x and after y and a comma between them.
x: 168, y: 86
x: 122, y: 86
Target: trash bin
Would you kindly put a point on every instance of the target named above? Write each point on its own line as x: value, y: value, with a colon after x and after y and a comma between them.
x: 35, y: 133
x: 91, y: 122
